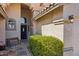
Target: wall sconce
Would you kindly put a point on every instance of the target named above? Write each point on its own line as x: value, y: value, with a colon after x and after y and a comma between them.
x: 71, y: 17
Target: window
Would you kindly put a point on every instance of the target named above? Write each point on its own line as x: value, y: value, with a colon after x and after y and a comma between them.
x: 11, y: 24
x: 23, y: 20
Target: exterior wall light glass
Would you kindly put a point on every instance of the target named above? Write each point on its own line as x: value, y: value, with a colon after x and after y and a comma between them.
x: 71, y: 17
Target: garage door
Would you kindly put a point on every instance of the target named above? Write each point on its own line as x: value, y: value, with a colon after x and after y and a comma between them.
x: 53, y: 30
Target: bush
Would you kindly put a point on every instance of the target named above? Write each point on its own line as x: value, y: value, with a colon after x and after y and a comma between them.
x: 45, y: 46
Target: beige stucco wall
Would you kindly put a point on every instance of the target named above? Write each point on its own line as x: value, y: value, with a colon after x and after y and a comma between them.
x: 75, y: 37
x: 26, y: 12
x: 71, y: 30
x: 13, y: 11
x: 2, y: 31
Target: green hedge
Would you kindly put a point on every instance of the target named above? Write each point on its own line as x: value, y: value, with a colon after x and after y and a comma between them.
x: 45, y: 46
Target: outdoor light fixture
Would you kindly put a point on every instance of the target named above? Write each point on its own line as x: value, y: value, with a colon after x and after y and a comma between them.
x: 71, y: 17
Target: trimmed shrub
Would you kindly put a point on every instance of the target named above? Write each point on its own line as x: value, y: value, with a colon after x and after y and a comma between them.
x: 45, y: 46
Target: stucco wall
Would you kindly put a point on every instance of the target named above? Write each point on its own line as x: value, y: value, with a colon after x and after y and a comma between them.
x: 75, y: 37
x: 26, y: 12
x: 71, y: 30
x: 13, y: 11
x: 2, y: 32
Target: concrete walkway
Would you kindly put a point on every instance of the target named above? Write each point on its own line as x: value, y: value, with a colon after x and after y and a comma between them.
x: 21, y: 49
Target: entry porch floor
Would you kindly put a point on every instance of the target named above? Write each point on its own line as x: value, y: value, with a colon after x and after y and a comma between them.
x: 17, y: 50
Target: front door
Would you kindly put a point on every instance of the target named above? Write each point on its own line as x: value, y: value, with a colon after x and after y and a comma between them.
x: 23, y: 32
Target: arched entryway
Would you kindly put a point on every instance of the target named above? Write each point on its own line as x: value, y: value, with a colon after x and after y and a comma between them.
x: 24, y: 29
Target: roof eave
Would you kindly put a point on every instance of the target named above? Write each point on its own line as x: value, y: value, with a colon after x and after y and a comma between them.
x: 45, y: 12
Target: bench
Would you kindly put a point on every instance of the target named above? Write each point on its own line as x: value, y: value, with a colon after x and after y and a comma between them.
x: 12, y: 41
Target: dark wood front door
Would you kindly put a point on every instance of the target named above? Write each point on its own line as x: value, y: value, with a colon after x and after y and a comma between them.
x: 23, y: 32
